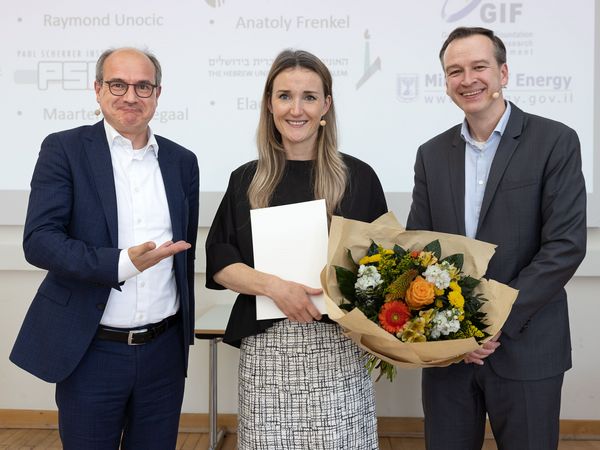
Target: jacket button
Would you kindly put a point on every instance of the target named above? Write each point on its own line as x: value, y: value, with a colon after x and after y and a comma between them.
x: 101, y: 306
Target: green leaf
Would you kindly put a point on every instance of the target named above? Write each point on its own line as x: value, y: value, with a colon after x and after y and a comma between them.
x: 473, y: 304
x: 373, y: 249
x: 457, y: 260
x: 435, y: 248
x: 351, y: 259
x: 385, y: 368
x: 399, y: 251
x: 371, y: 362
x: 468, y: 283
x: 346, y: 281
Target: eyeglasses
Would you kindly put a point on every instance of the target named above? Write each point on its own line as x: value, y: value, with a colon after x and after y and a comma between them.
x: 120, y: 88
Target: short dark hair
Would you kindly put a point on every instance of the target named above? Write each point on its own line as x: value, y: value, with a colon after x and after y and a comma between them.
x: 153, y: 59
x: 463, y: 32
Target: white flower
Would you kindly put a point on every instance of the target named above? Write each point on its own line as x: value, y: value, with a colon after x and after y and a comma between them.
x: 444, y: 322
x: 437, y: 275
x: 451, y: 269
x: 368, y: 278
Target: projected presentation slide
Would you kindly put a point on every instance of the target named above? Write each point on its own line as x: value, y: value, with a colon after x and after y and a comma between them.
x: 389, y: 88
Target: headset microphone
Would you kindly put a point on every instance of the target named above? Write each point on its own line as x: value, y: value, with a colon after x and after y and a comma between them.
x: 496, y: 95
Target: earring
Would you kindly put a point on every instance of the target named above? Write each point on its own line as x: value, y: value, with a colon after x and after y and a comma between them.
x: 323, y: 122
x: 97, y: 111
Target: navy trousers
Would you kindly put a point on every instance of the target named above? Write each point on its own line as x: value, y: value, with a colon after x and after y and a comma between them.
x: 121, y: 395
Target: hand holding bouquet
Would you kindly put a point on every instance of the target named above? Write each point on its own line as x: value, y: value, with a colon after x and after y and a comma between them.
x: 413, y: 298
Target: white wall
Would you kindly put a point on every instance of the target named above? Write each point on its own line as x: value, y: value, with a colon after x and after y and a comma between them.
x: 20, y: 390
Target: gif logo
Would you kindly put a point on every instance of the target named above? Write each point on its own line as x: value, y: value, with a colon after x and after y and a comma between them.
x: 215, y: 3
x: 502, y: 12
x: 70, y: 75
x: 489, y: 12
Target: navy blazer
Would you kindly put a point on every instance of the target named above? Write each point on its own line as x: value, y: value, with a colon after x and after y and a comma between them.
x: 71, y: 231
x: 534, y: 210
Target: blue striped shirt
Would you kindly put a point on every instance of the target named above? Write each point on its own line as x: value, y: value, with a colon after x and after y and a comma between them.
x: 478, y: 160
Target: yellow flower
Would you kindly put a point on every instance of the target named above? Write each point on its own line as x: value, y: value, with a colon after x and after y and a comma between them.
x: 438, y: 292
x: 454, y: 272
x: 455, y: 287
x: 397, y: 289
x: 469, y: 330
x: 427, y: 258
x: 456, y: 299
x: 376, y: 257
x: 427, y: 315
x: 370, y: 259
x: 412, y: 336
x: 414, y: 330
x: 475, y: 332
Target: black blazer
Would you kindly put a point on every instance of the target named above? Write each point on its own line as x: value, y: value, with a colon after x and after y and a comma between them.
x: 534, y: 210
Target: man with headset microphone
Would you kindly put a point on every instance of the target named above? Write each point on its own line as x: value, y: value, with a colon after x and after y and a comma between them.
x: 512, y: 179
x: 113, y: 218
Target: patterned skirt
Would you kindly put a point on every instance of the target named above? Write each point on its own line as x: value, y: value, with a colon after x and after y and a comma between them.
x: 304, y: 386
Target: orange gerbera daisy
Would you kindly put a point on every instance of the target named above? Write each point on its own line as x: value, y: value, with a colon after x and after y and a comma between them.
x: 393, y: 316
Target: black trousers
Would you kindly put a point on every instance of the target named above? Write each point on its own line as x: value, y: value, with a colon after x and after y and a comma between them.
x: 524, y: 415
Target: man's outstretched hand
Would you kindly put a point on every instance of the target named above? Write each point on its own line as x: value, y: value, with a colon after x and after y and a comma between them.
x: 146, y: 255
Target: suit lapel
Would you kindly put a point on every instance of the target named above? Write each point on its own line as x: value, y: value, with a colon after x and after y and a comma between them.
x: 456, y: 167
x: 171, y: 179
x: 98, y: 155
x: 506, y: 148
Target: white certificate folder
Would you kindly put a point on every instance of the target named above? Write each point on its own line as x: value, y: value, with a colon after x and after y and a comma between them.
x: 290, y: 241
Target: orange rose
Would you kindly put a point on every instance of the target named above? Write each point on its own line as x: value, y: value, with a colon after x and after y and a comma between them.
x: 420, y: 293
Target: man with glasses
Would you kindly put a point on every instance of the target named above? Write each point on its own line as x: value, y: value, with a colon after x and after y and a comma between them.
x: 113, y: 218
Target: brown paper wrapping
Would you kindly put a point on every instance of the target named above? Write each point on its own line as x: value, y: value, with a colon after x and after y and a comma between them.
x: 356, y: 236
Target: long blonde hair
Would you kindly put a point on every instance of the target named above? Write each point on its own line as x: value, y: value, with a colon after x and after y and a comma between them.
x: 329, y: 173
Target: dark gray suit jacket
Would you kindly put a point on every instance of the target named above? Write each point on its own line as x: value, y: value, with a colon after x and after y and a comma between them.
x: 71, y: 231
x: 534, y: 210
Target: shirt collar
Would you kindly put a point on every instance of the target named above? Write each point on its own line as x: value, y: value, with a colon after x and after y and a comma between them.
x: 499, y: 129
x: 113, y: 136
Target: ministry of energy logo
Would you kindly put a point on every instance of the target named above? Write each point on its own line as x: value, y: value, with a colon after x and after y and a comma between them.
x: 407, y: 87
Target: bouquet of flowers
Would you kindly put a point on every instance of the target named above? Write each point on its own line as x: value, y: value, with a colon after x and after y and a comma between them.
x: 411, y: 298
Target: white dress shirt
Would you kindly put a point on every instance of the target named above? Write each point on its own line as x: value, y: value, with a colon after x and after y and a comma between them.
x: 143, y: 215
x: 478, y: 161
